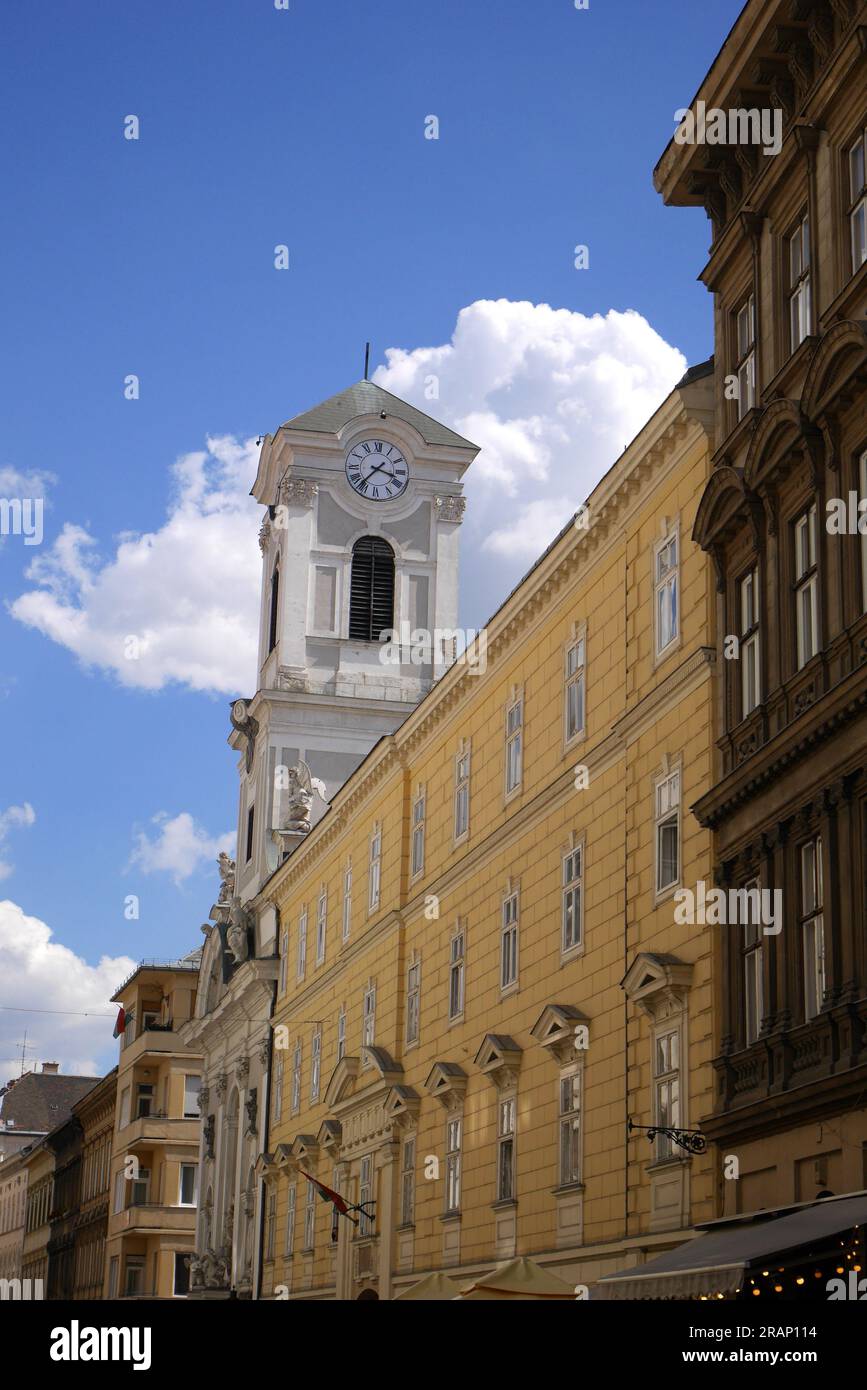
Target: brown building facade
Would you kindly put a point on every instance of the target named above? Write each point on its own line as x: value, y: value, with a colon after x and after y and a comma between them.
x: 788, y: 272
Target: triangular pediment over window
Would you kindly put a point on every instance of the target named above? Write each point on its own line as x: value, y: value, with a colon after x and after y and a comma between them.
x: 447, y: 1081
x: 329, y: 1136
x: 265, y: 1165
x: 402, y: 1103
x: 342, y: 1080
x: 657, y: 982
x: 555, y: 1030
x: 499, y: 1058
x: 304, y: 1148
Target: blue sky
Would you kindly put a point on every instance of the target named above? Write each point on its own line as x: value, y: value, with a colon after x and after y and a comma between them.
x: 261, y: 127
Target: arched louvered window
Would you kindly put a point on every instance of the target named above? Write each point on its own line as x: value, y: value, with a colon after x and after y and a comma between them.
x: 371, y: 597
x: 275, y: 602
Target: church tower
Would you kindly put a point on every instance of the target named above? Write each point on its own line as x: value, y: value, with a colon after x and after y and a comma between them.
x: 364, y: 499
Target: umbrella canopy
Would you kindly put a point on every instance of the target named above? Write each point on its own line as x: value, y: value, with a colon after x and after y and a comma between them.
x: 520, y: 1278
x: 432, y: 1287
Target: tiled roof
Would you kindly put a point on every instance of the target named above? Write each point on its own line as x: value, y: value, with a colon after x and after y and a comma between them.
x: 38, y: 1101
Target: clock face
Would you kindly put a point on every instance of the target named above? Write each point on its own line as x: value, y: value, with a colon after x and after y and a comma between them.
x: 377, y: 470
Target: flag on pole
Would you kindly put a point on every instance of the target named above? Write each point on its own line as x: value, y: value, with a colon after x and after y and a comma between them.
x: 327, y: 1193
x: 120, y: 1022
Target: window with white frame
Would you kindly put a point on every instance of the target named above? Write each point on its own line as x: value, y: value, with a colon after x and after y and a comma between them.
x: 284, y: 961
x: 368, y: 1024
x: 187, y: 1189
x: 296, y: 1078
x: 514, y: 733
x: 341, y: 1032
x: 291, y: 1198
x: 453, y: 1164
x: 277, y: 1102
x: 858, y: 201
x: 365, y: 1197
x: 798, y: 248
x: 140, y: 1188
x: 271, y: 1226
x: 413, y: 995
x: 375, y: 869
x: 812, y: 926
x: 315, y: 1064
x: 570, y: 1128
x: 347, y: 900
x: 666, y: 1084
x: 862, y: 478
x: 192, y: 1091
x: 573, y: 896
x: 321, y: 925
x: 407, y: 1182
x: 667, y: 793
x: 456, y: 975
x: 666, y: 608
x: 745, y: 363
x: 506, y: 1149
x: 575, y: 676
x: 462, y: 793
x: 509, y: 942
x: 310, y: 1217
x: 418, y: 834
x: 751, y: 690
x: 752, y: 963
x: 302, y: 945
x: 806, y: 586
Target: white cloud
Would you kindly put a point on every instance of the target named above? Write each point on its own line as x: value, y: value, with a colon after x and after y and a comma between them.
x: 13, y: 818
x: 552, y: 397
x: 180, y: 847
x: 34, y: 483
x: 187, y: 593
x: 41, y: 974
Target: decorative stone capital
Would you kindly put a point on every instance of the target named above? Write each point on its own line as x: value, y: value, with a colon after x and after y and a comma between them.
x: 263, y: 1052
x: 204, y: 1098
x: 221, y: 1083
x: 296, y: 492
x: 242, y: 1070
x: 450, y: 508
x: 264, y: 535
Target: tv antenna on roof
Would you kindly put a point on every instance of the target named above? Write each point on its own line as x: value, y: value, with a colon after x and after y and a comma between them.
x: 24, y: 1049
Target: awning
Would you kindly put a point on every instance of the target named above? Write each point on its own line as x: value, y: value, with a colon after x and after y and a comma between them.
x: 718, y: 1262
x: 433, y: 1288
x: 520, y: 1278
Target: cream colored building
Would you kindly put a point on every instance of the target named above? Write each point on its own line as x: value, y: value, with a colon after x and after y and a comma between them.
x: 13, y: 1211
x: 482, y: 979
x: 155, y: 1149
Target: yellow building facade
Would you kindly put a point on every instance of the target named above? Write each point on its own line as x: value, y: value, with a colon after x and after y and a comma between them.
x: 483, y: 979
x: 155, y: 1144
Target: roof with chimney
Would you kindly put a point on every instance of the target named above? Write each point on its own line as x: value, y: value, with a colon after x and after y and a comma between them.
x: 38, y: 1101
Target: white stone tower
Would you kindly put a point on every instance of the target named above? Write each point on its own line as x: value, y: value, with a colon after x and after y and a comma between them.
x: 364, y: 501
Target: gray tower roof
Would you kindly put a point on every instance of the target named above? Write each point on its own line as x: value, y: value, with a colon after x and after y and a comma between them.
x: 366, y: 398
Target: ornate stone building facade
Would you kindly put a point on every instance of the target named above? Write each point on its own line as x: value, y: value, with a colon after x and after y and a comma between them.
x: 485, y: 998
x: 779, y: 520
